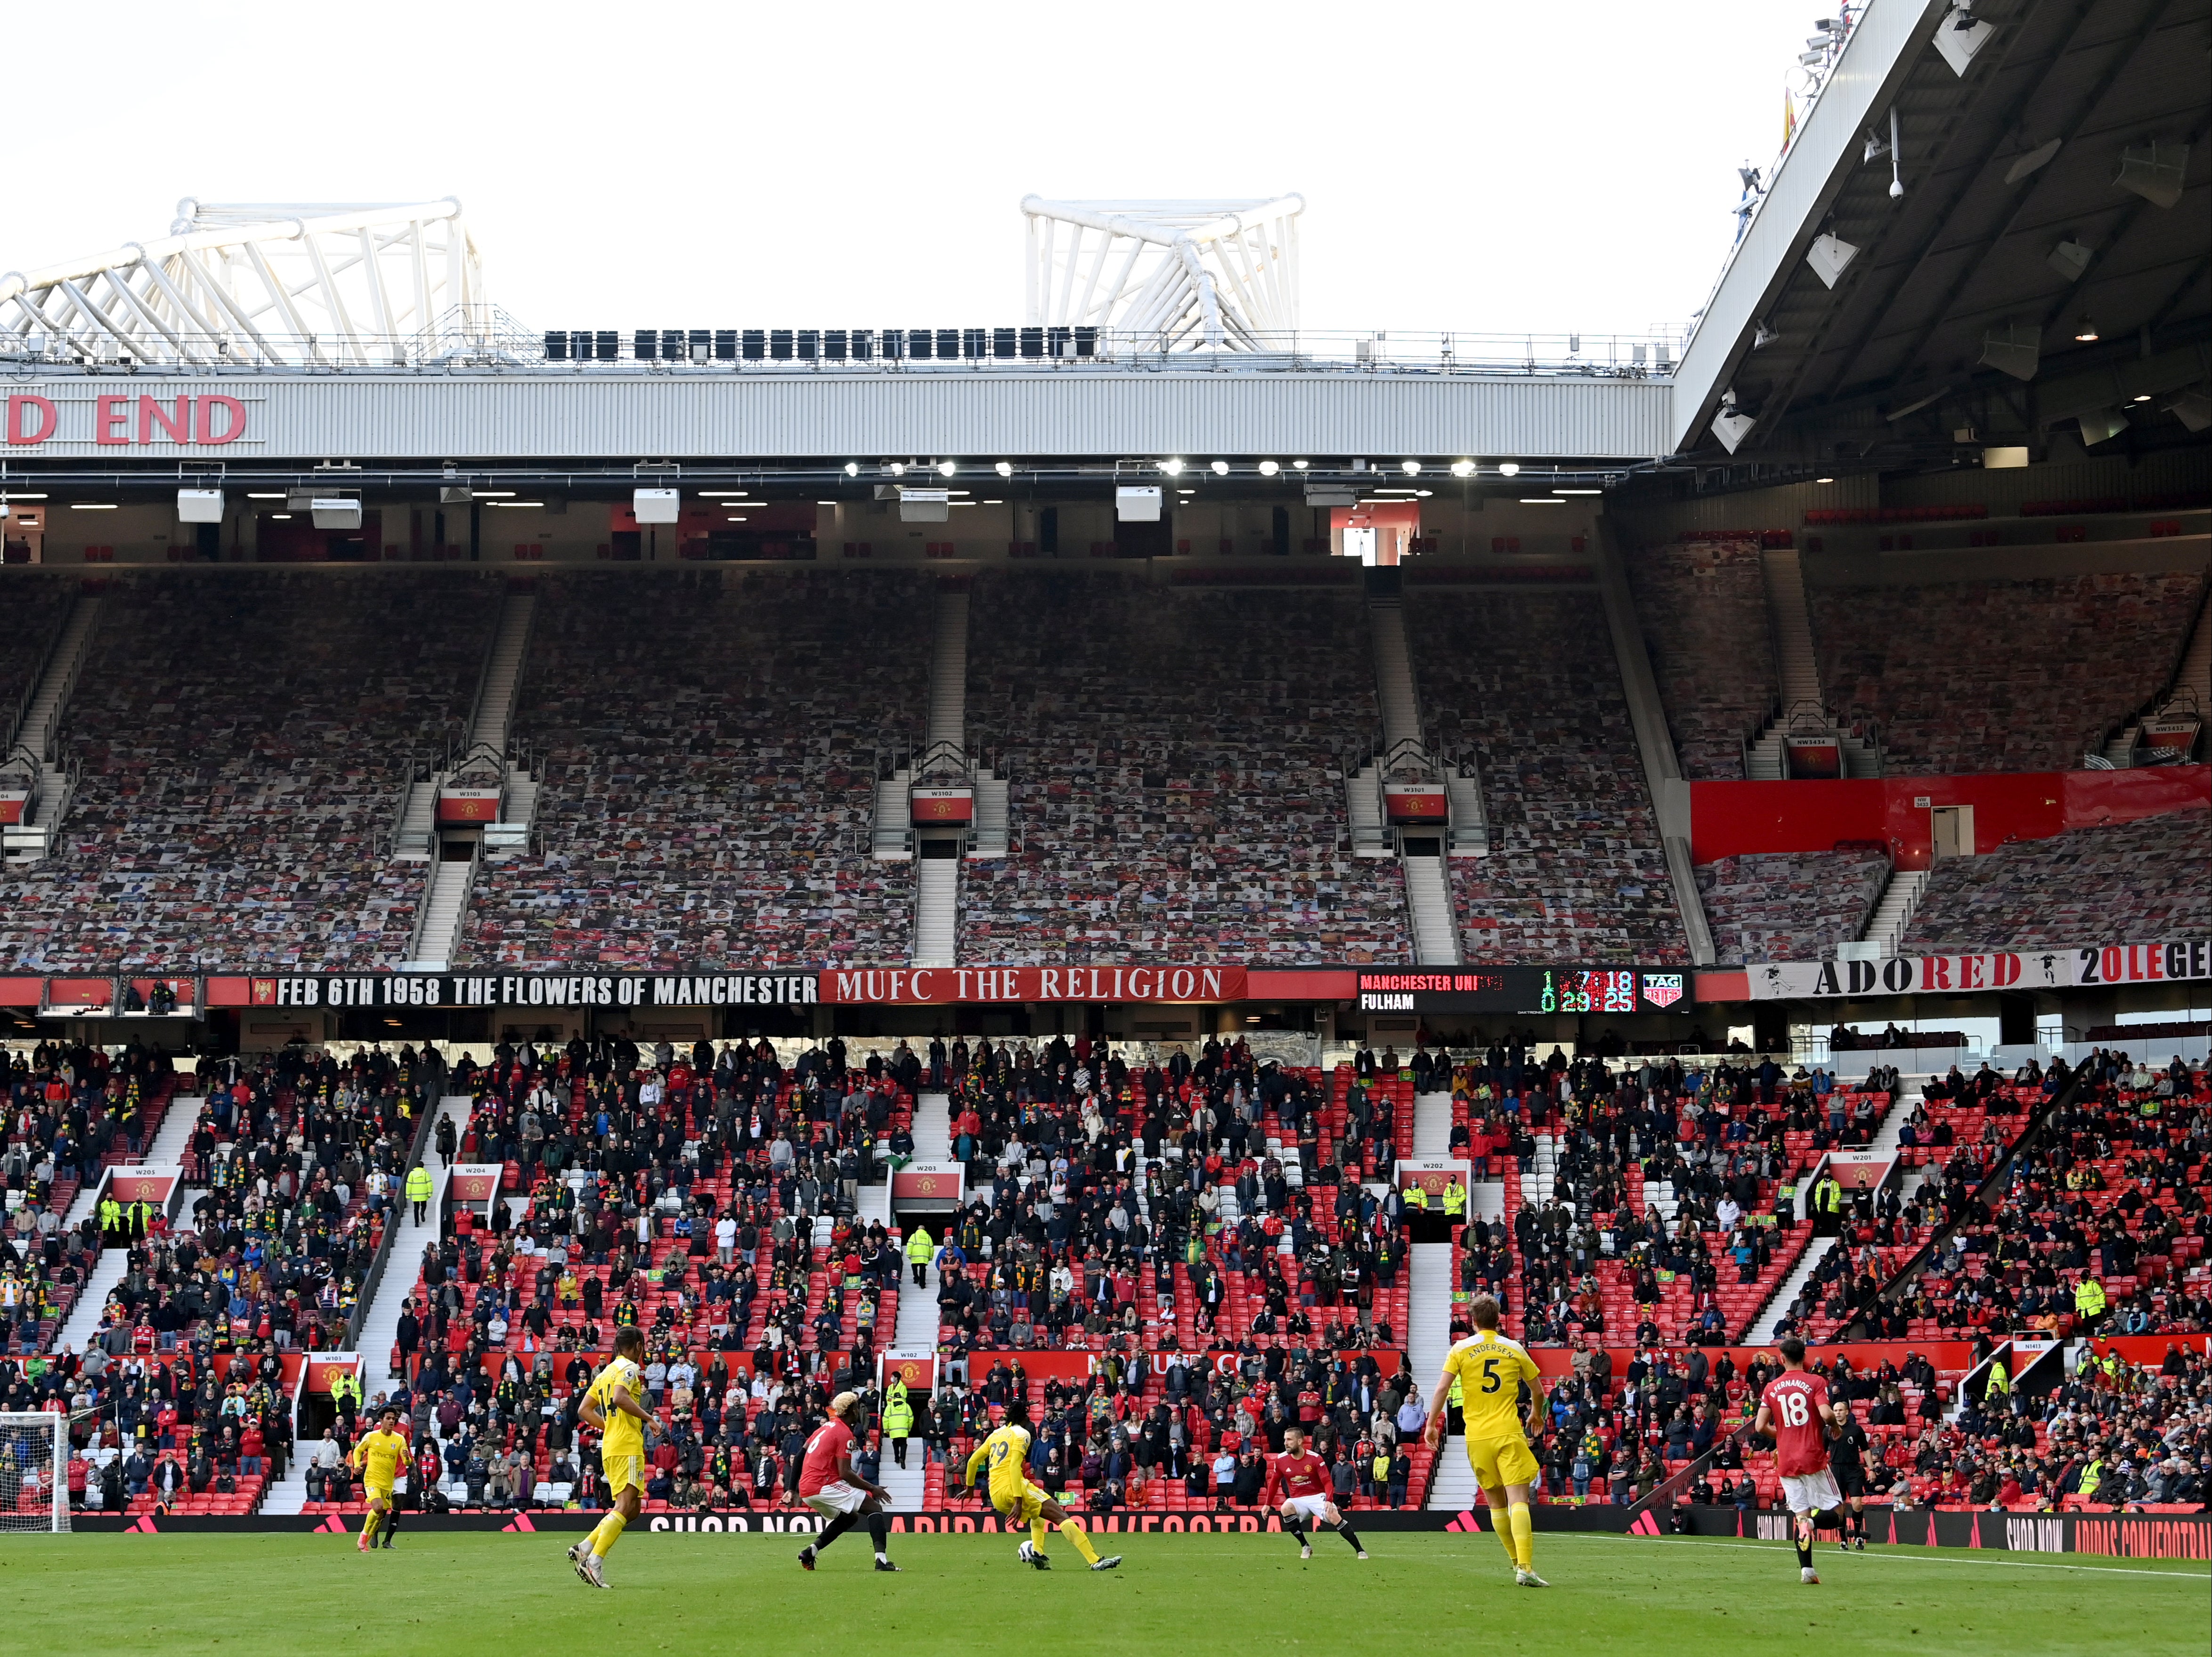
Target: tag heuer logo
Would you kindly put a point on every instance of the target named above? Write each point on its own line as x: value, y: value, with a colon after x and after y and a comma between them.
x: 1662, y: 989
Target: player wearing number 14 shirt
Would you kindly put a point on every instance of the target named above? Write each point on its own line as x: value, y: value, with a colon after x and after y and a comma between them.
x: 1793, y: 1412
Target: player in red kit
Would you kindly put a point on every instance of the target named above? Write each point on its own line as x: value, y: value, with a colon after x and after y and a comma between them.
x: 1297, y: 1485
x: 828, y: 1484
x: 1793, y: 1412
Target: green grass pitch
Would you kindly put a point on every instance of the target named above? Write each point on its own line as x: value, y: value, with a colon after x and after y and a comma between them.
x: 241, y: 1594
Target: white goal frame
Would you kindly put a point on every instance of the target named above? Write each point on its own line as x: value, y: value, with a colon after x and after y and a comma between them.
x: 40, y: 1442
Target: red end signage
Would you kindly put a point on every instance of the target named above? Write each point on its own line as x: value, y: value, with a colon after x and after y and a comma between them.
x: 129, y: 420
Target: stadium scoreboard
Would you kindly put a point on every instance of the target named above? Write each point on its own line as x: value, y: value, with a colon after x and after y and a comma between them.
x: 1522, y: 989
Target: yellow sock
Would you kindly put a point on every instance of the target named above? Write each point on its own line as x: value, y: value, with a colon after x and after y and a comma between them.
x: 1039, y: 1533
x: 1524, y: 1535
x: 368, y: 1525
x: 608, y: 1533
x: 1502, y: 1523
x: 1073, y: 1532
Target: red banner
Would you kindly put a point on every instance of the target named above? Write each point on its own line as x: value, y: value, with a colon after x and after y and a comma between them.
x: 1414, y: 805
x: 12, y: 802
x: 943, y: 804
x: 468, y: 805
x: 930, y: 986
x: 917, y: 1369
x: 131, y: 1186
x: 322, y: 1370
x: 929, y: 1182
x: 80, y: 992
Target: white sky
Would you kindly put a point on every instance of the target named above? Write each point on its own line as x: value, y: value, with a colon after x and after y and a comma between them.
x: 1483, y: 167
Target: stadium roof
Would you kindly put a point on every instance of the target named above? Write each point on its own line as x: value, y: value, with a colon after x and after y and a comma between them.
x: 2055, y: 188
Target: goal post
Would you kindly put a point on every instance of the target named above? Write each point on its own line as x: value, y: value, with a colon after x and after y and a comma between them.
x: 33, y: 1472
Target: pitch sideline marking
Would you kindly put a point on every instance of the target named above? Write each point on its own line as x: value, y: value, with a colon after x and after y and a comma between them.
x: 1893, y: 1558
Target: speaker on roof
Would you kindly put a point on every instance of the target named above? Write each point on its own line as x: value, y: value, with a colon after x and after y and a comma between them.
x: 754, y: 344
x: 833, y: 345
x: 948, y: 343
x: 699, y: 344
x: 671, y: 344
x: 556, y: 346
x: 974, y: 342
x: 725, y: 345
x: 890, y: 343
x: 864, y: 345
x: 1002, y: 342
x: 1086, y: 342
x: 1033, y: 343
x: 645, y: 345
x: 610, y: 343
x: 809, y: 344
x: 779, y: 344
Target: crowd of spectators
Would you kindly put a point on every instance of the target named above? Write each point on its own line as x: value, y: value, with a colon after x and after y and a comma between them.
x: 1703, y: 606
x: 1526, y: 685
x: 71, y: 1111
x: 1789, y: 906
x: 1671, y: 1212
x: 710, y: 742
x: 2120, y: 881
x: 1176, y: 765
x: 1174, y: 1431
x: 2000, y: 675
x: 188, y: 1429
x: 245, y: 737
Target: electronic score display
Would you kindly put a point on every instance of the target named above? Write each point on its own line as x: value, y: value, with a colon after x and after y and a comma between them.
x: 1522, y: 989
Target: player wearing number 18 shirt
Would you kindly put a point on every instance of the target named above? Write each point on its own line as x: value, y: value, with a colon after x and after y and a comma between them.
x: 1793, y: 1412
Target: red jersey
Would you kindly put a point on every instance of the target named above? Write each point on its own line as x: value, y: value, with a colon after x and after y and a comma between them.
x: 831, y: 1441
x: 1796, y: 1399
x: 1295, y: 1475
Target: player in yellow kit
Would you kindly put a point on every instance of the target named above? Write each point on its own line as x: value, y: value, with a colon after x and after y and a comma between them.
x: 1490, y: 1370
x: 380, y: 1455
x: 1020, y: 1503
x: 610, y: 1404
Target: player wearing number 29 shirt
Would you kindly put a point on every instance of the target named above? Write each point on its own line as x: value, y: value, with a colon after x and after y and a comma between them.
x: 1793, y: 1412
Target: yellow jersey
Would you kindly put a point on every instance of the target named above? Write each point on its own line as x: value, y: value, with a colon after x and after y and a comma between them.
x: 380, y: 1454
x: 1007, y: 1450
x: 1490, y: 1369
x: 623, y: 1435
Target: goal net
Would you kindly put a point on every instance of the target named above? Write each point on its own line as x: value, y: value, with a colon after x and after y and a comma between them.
x: 33, y: 1472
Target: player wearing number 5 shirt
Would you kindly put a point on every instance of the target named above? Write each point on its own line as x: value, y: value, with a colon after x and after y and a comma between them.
x: 1793, y: 1412
x: 1492, y: 1372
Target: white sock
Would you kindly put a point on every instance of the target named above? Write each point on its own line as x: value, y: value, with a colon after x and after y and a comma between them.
x: 883, y: 1558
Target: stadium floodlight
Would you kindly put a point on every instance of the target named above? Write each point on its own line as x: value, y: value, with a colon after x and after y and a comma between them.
x: 1268, y: 469
x: 2015, y: 350
x: 1823, y: 480
x: 1509, y: 469
x: 1411, y: 468
x: 898, y: 469
x: 1137, y: 504
x: 1732, y: 427
x: 946, y: 468
x: 199, y: 506
x: 336, y: 511
x: 2193, y: 409
x: 1462, y: 468
x: 1960, y: 36
x: 2069, y: 260
x: 1830, y: 255
x: 2155, y: 173
x: 1005, y: 468
x: 852, y: 469
x: 2085, y: 331
x: 1173, y: 468
x: 1300, y: 464
x: 656, y: 505
x: 2100, y: 424
x: 1220, y: 469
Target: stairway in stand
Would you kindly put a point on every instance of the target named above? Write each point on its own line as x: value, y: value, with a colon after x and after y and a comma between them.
x: 30, y: 746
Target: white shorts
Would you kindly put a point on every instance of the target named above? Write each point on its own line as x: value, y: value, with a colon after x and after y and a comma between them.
x: 1308, y: 1507
x: 1811, y: 1492
x: 836, y: 1497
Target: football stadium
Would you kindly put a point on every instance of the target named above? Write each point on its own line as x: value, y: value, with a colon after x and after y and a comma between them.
x: 1128, y: 939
